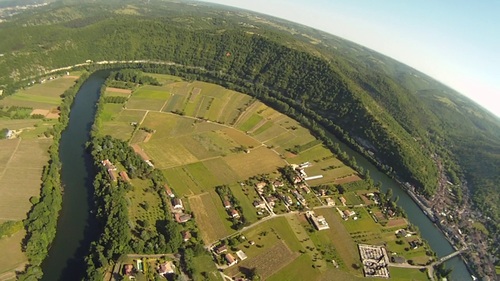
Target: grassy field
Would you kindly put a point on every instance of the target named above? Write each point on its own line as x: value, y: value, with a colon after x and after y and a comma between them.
x: 208, y: 215
x: 200, y: 134
x: 20, y: 175
x: 407, y: 274
x: 22, y: 160
x: 141, y: 194
x: 260, y: 160
x: 42, y: 96
x: 12, y: 258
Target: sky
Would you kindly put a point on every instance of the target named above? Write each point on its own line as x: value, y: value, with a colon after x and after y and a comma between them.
x: 457, y: 42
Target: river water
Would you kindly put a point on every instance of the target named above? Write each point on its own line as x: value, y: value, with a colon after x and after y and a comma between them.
x: 75, y: 225
x: 416, y: 216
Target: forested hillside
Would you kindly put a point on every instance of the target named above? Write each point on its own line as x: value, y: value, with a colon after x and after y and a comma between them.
x: 405, y: 118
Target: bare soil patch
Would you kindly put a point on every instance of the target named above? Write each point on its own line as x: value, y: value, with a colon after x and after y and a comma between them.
x: 43, y: 112
x: 396, y: 222
x: 140, y: 151
x: 118, y: 90
x: 348, y: 179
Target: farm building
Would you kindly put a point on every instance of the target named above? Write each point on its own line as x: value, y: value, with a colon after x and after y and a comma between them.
x: 234, y: 214
x: 230, y: 260
x: 221, y: 249
x: 181, y: 218
x: 124, y: 176
x: 112, y: 175
x: 342, y: 200
x: 177, y: 204
x: 108, y: 165
x: 168, y: 191
x: 241, y: 255
x: 227, y: 204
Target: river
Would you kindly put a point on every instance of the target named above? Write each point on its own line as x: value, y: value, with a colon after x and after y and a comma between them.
x: 428, y: 230
x: 75, y: 225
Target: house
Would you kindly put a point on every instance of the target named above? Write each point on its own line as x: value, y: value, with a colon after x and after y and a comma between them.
x: 306, y: 189
x: 297, y: 180
x: 234, y: 214
x: 230, y: 260
x: 329, y: 201
x: 166, y: 268
x: 128, y: 269
x: 271, y: 200
x: 186, y: 235
x: 168, y: 191
x: 177, y: 204
x: 227, y: 204
x: 342, y: 200
x: 259, y: 204
x: 299, y: 197
x: 221, y: 249
x: 124, y: 176
x: 260, y: 186
x: 322, y: 192
x: 181, y: 218
x: 349, y: 213
x: 108, y: 165
x: 287, y: 199
x: 278, y: 183
x: 318, y: 221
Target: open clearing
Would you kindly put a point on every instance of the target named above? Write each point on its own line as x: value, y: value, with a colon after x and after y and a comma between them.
x: 20, y: 175
x: 205, y: 213
x: 201, y: 135
x: 11, y: 258
x: 42, y: 96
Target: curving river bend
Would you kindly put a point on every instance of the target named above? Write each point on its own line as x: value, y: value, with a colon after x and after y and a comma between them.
x: 76, y: 227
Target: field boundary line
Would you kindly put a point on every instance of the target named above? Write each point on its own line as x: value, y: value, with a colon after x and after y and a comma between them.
x: 10, y: 159
x: 166, y: 101
x: 245, y: 112
x: 138, y: 126
x: 223, y: 108
x: 199, y: 106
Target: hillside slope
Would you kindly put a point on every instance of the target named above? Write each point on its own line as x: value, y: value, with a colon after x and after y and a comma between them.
x: 402, y: 115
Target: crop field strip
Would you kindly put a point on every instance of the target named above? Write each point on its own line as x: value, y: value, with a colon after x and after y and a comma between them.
x: 20, y: 175
x: 40, y: 96
x: 197, y: 155
x: 206, y: 216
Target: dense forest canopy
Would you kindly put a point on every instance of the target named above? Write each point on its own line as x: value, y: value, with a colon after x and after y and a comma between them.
x: 404, y: 117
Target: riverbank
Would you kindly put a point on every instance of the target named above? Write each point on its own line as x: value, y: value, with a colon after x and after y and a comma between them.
x: 75, y: 225
x: 435, y: 237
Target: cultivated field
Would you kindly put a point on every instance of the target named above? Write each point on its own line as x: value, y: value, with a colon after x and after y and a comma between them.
x: 201, y: 135
x: 206, y: 211
x: 22, y: 159
x: 42, y: 96
x: 20, y: 175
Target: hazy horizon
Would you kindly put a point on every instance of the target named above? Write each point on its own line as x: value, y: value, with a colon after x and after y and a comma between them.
x: 454, y: 42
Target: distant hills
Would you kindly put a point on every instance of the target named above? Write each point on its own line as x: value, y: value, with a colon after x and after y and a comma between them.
x: 407, y: 119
